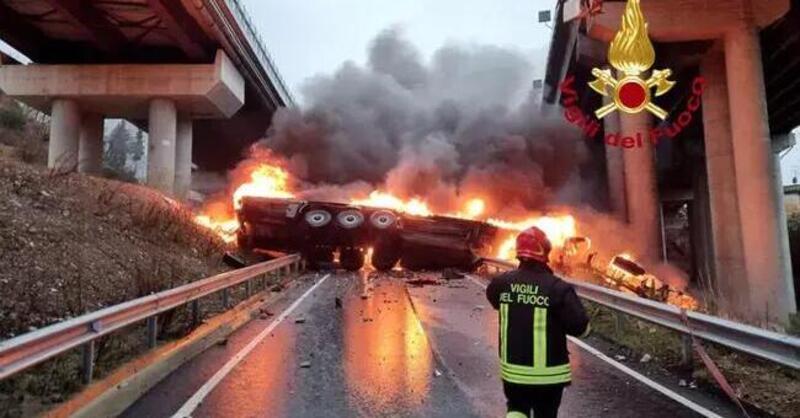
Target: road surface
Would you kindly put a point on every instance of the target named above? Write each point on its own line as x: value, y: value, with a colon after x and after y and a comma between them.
x: 368, y: 345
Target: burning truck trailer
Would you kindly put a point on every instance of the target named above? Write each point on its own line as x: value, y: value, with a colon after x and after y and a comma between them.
x: 319, y: 229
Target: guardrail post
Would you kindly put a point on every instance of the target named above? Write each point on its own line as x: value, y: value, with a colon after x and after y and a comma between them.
x: 248, y: 288
x: 226, y: 298
x: 195, y: 312
x: 152, y: 331
x: 87, y: 363
x: 619, y: 323
x: 687, y: 357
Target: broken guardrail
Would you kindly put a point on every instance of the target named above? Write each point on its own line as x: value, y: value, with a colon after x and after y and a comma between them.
x: 24, y: 351
x: 768, y: 345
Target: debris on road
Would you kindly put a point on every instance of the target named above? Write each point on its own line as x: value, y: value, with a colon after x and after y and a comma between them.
x: 338, y: 303
x: 436, y: 373
x: 422, y: 281
x: 300, y: 320
x: 452, y: 274
x: 232, y: 260
x: 619, y: 357
x: 305, y: 365
x: 646, y: 358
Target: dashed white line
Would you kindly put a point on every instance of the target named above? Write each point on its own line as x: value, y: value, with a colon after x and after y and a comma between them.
x: 196, y: 399
x: 630, y: 372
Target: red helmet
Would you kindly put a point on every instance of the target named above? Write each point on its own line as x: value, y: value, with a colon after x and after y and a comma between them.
x: 532, y: 244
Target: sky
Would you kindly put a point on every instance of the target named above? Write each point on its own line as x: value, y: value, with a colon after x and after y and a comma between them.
x: 308, y: 37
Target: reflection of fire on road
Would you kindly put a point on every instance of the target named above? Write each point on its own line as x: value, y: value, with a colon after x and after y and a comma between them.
x: 387, y: 359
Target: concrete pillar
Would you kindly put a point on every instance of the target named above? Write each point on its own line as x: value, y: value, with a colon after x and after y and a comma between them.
x: 183, y: 158
x: 65, y: 125
x: 161, y: 145
x: 730, y: 275
x: 641, y: 185
x: 766, y: 253
x: 615, y: 169
x: 90, y: 150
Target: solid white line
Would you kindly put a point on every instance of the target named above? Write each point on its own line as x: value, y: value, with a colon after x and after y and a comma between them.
x: 193, y: 402
x: 630, y: 372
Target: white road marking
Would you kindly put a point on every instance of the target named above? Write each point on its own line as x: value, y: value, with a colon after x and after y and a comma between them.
x: 630, y: 372
x: 196, y: 399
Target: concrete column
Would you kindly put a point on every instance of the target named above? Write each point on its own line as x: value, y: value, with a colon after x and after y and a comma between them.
x: 641, y: 185
x: 65, y: 125
x: 766, y: 254
x: 161, y: 145
x: 90, y: 150
x: 183, y: 158
x: 730, y: 275
x: 615, y: 169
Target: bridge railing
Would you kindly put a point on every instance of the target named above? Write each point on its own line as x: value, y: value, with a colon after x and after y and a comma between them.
x: 27, y: 350
x: 768, y: 345
x: 224, y: 10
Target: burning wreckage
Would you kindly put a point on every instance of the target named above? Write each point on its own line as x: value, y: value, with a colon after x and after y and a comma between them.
x: 320, y: 230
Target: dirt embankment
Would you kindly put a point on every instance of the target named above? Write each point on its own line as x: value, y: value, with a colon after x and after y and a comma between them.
x: 72, y: 244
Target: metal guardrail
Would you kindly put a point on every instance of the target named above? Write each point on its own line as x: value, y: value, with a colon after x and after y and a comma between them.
x: 235, y: 23
x: 775, y: 347
x: 24, y: 351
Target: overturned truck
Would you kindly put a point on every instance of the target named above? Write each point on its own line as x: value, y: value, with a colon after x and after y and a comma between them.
x: 319, y: 230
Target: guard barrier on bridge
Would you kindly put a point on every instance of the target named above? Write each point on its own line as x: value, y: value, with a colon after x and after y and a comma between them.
x: 779, y: 348
x: 24, y: 351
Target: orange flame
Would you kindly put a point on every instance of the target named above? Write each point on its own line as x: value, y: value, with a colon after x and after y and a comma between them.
x: 265, y: 181
x: 378, y: 199
x: 557, y: 228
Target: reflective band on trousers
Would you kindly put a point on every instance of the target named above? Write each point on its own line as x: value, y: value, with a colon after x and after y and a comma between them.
x: 539, y: 373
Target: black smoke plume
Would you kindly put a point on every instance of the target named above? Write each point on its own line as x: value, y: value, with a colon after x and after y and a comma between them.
x: 466, y: 123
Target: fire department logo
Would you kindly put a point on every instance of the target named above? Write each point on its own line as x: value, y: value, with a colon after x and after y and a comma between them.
x: 632, y: 54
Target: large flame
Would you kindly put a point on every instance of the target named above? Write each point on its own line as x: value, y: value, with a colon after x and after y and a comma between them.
x: 266, y: 180
x: 631, y: 50
x: 378, y: 199
x: 557, y: 228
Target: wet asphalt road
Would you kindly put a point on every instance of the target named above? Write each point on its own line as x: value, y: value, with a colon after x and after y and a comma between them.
x: 384, y: 351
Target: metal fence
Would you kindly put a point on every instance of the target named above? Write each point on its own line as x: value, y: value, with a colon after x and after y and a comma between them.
x: 24, y: 351
x: 779, y: 348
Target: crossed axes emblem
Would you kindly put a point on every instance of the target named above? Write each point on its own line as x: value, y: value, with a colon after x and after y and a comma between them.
x: 631, y: 93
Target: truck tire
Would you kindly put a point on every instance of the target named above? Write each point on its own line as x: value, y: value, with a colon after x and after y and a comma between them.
x: 385, y: 257
x: 351, y: 259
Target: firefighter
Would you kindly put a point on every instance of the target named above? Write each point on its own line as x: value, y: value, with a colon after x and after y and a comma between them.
x: 537, y: 311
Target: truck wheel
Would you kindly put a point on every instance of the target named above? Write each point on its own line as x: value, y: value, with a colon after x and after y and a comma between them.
x: 385, y: 257
x: 351, y: 259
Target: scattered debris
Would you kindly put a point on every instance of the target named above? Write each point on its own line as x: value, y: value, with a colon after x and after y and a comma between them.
x: 338, y: 303
x: 305, y: 365
x: 422, y: 282
x: 619, y: 357
x: 300, y: 320
x: 646, y: 358
x: 682, y: 383
x: 436, y: 373
x: 232, y: 260
x: 276, y: 288
x: 223, y: 342
x: 478, y: 308
x: 452, y: 274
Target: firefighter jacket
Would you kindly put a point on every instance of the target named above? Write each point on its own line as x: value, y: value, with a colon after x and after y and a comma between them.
x: 537, y: 311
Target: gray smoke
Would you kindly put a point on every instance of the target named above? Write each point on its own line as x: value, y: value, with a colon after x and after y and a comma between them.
x: 465, y: 122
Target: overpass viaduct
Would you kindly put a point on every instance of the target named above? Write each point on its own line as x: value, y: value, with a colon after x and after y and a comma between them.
x: 724, y: 162
x: 194, y: 73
